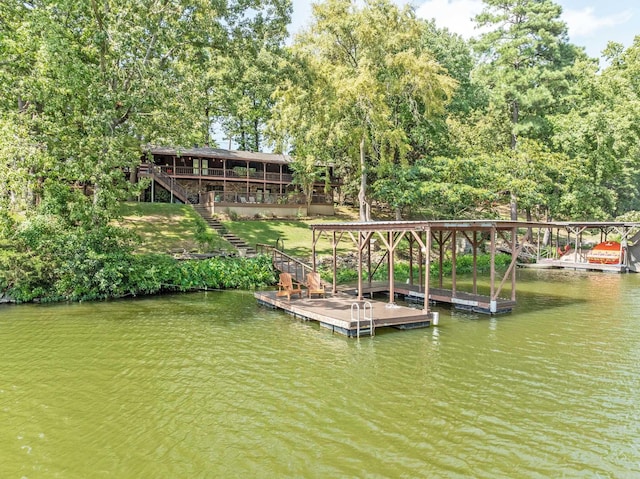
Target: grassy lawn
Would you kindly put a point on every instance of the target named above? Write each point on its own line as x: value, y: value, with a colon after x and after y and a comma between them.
x: 295, y: 235
x: 169, y: 228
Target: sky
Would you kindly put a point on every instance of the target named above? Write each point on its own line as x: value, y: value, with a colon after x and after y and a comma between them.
x: 592, y: 23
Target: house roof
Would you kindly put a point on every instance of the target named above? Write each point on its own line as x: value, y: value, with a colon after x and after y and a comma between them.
x: 219, y: 153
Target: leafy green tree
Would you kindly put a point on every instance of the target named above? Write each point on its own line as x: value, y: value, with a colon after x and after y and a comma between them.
x: 243, y: 80
x: 527, y: 66
x: 374, y: 74
x: 601, y: 135
x: 86, y: 83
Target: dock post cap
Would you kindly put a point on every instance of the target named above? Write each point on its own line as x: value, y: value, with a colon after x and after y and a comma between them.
x: 493, y: 306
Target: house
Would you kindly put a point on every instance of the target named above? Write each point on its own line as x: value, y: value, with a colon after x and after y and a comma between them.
x: 226, y: 181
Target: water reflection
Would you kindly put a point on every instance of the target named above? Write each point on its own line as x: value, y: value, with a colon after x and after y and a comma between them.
x: 213, y: 385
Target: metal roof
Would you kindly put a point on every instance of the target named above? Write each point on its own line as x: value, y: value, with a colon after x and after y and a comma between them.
x: 222, y: 154
x: 422, y: 225
x: 470, y: 225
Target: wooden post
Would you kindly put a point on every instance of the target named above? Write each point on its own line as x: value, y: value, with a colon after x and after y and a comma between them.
x: 474, y: 245
x: 369, y: 274
x: 411, y: 240
x: 313, y: 251
x: 392, y: 286
x: 420, y: 258
x: 493, y: 262
x: 360, y: 266
x: 441, y: 251
x: 334, y: 247
x: 453, y: 263
x: 248, y: 193
x: 427, y: 267
x: 514, y: 254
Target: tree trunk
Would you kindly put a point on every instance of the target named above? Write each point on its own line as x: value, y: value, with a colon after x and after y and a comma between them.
x: 546, y: 240
x: 514, y: 207
x: 515, y: 113
x: 529, y: 236
x: 365, y: 213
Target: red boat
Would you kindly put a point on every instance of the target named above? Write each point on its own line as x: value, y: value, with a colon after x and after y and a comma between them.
x: 608, y: 252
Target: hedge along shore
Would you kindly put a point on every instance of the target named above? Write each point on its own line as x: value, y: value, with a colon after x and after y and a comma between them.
x: 146, y: 275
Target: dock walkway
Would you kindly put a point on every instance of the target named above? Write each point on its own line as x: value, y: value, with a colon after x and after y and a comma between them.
x: 478, y: 303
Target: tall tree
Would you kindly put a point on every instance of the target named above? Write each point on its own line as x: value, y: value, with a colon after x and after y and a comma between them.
x: 526, y: 64
x: 244, y: 79
x: 601, y: 134
x: 374, y: 73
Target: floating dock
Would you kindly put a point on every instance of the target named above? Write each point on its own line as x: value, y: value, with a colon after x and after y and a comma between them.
x: 576, y: 266
x: 338, y: 313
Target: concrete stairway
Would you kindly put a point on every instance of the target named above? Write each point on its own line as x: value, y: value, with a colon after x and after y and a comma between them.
x: 221, y: 230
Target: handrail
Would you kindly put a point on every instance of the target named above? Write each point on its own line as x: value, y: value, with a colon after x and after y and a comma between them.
x: 285, y: 263
x: 356, y: 306
x: 365, y: 306
x: 372, y: 327
x: 157, y: 174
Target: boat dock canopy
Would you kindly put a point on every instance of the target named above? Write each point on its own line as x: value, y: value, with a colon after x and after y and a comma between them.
x: 433, y: 239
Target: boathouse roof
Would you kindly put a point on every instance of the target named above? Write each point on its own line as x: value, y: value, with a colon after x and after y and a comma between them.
x: 467, y: 225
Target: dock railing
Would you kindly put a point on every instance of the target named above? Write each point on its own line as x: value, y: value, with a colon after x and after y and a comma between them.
x: 285, y: 263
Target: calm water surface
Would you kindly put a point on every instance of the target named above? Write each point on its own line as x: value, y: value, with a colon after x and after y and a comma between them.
x: 212, y: 385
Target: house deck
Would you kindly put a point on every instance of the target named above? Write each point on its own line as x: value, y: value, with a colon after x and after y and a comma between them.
x: 336, y: 312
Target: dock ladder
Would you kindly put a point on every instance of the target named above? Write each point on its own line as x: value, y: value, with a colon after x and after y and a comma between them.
x: 366, y: 308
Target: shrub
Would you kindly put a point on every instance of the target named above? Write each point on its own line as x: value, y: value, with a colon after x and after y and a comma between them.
x: 49, y: 261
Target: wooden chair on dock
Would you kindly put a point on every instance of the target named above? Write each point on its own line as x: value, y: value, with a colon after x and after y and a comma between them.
x: 287, y: 287
x: 314, y: 284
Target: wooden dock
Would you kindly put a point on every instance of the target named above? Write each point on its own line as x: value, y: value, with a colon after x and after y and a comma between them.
x: 336, y: 312
x: 477, y: 303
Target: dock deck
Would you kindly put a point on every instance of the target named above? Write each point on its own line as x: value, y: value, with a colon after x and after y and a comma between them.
x: 461, y: 300
x: 334, y: 312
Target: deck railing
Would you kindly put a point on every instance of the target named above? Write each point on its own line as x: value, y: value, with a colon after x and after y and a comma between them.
x: 212, y: 197
x: 167, y: 177
x: 169, y: 183
x: 190, y: 172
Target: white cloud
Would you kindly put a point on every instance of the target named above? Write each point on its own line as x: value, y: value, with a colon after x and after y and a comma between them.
x: 456, y: 15
x: 585, y: 22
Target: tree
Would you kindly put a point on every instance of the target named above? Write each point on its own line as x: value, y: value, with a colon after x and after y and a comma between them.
x: 244, y: 79
x: 527, y: 66
x: 86, y: 83
x: 374, y: 75
x: 601, y: 134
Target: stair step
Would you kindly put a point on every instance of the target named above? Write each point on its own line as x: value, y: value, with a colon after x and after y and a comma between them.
x: 216, y: 225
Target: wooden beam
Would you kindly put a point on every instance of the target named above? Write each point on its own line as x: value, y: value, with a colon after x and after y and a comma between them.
x: 453, y: 264
x: 493, y: 264
x: 426, y: 270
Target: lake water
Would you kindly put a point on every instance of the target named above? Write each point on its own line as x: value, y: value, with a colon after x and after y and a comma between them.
x: 213, y: 385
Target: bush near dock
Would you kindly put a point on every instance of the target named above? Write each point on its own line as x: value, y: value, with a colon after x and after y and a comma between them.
x: 48, y: 263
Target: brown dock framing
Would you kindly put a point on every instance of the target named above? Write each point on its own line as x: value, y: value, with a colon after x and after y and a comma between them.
x: 431, y: 239
x: 628, y: 233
